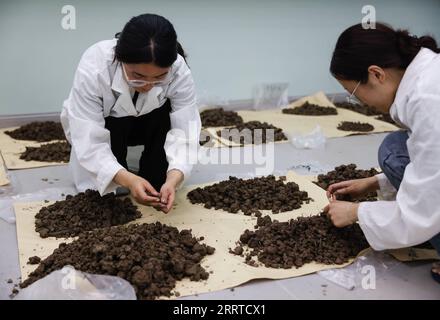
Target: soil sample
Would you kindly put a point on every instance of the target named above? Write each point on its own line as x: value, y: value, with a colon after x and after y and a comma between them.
x: 359, y: 108
x: 344, y: 173
x: 50, y: 152
x: 301, y: 241
x: 355, y: 126
x: 83, y: 212
x: 386, y: 117
x: 310, y: 109
x: 220, y: 118
x: 152, y: 257
x: 250, y: 196
x: 252, y: 132
x: 39, y: 131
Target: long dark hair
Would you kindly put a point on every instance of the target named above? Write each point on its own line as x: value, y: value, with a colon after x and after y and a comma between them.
x: 358, y: 48
x: 148, y: 38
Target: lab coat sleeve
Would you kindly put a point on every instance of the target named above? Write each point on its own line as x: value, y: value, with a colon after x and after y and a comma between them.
x: 86, y: 130
x: 182, y: 141
x: 415, y: 215
x: 386, y: 189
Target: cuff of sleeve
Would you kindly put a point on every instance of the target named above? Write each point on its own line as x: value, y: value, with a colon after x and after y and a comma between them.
x: 364, y: 211
x: 387, y: 190
x: 105, y: 177
x: 185, y: 169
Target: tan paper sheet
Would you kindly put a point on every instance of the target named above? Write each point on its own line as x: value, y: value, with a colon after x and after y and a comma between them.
x: 414, y: 254
x: 3, y: 176
x: 220, y: 229
x: 297, y: 124
x: 12, y: 149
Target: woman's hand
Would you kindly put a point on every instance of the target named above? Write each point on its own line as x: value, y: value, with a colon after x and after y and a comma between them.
x: 141, y: 190
x: 342, y: 213
x: 168, y: 190
x: 355, y: 188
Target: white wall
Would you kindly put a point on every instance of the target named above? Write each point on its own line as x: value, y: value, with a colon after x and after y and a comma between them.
x: 232, y: 44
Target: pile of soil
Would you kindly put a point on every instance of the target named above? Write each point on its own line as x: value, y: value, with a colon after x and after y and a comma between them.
x: 301, y: 241
x: 83, y: 212
x: 355, y: 126
x: 39, y: 131
x: 220, y: 118
x: 359, y: 108
x: 251, y: 195
x: 344, y: 173
x: 152, y: 257
x: 50, y: 152
x: 310, y: 109
x: 255, y: 134
x: 386, y: 117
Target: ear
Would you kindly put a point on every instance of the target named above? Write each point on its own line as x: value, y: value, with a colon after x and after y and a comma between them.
x: 376, y: 74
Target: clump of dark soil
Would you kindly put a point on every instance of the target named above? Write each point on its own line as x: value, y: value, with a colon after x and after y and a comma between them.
x: 50, y: 152
x: 84, y: 212
x: 220, y: 118
x: 250, y: 196
x: 152, y: 257
x: 355, y: 126
x: 359, y: 108
x: 252, y: 132
x: 386, y: 117
x: 39, y: 131
x: 310, y: 109
x: 301, y: 241
x: 344, y: 173
x: 34, y: 260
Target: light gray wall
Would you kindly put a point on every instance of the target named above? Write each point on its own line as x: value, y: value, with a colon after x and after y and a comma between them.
x: 232, y: 44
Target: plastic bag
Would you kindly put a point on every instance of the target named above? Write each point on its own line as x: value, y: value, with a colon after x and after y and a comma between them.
x: 208, y: 101
x: 270, y: 95
x: 70, y: 284
x: 313, y: 140
x: 363, y: 272
x: 51, y: 194
x: 311, y: 168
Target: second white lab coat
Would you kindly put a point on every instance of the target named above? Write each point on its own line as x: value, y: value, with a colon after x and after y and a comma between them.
x: 414, y: 216
x: 99, y: 90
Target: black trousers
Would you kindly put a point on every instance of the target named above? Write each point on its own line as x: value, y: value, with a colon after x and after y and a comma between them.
x: 149, y: 130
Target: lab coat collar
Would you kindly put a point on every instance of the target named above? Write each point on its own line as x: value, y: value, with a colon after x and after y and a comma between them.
x: 119, y: 84
x: 412, y: 73
x: 409, y: 80
x: 121, y: 88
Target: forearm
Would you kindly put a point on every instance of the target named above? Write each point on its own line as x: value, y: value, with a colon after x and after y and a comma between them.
x: 174, y: 177
x: 123, y: 178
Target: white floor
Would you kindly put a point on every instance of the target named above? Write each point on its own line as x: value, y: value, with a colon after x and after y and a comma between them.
x: 393, y: 280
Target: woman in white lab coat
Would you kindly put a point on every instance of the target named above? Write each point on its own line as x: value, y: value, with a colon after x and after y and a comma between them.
x: 397, y: 73
x: 133, y: 90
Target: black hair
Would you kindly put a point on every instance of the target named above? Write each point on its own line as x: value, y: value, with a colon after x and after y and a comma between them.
x: 148, y: 38
x: 358, y: 48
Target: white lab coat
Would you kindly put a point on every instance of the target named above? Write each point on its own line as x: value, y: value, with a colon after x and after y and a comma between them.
x: 100, y: 90
x: 414, y: 216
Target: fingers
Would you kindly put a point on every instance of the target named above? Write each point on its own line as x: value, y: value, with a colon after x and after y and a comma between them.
x: 326, y: 208
x: 150, y: 189
x: 335, y: 186
x: 343, y: 191
x: 170, y: 201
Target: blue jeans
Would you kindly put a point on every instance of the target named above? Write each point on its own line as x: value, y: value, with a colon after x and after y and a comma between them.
x: 393, y: 159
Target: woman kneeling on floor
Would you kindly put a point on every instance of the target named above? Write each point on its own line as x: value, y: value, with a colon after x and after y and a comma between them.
x: 397, y: 73
x: 133, y: 90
